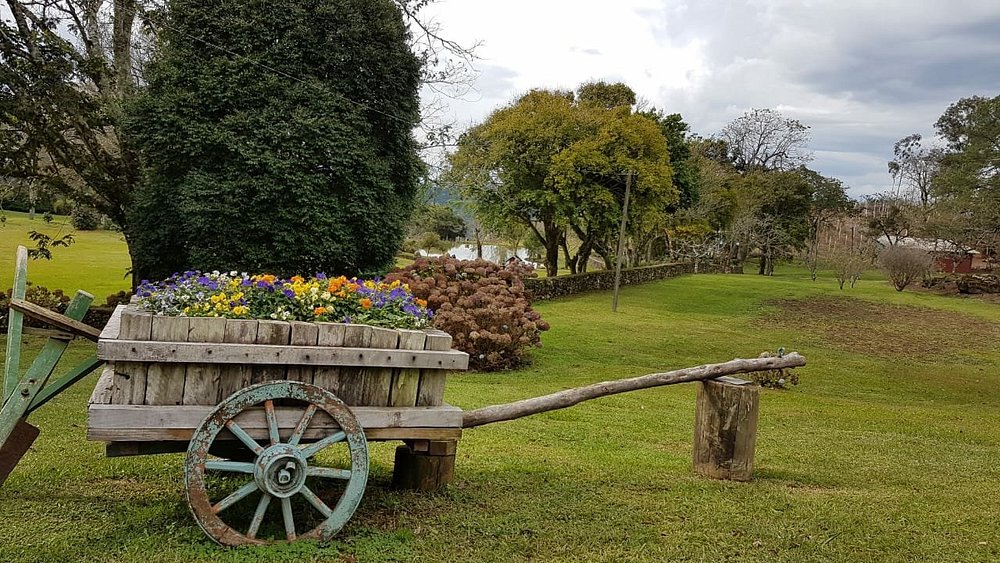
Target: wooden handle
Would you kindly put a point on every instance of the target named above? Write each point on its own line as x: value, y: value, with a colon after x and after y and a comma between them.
x: 52, y: 318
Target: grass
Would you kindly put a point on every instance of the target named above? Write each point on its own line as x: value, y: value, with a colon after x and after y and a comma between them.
x: 887, y: 451
x: 96, y: 262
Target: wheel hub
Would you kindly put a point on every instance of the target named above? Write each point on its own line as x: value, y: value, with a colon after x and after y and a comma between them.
x: 280, y: 470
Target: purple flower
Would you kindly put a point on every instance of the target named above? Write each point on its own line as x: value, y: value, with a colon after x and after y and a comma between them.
x: 289, y: 293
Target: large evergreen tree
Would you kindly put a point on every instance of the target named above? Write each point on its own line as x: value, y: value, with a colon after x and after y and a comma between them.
x: 277, y: 137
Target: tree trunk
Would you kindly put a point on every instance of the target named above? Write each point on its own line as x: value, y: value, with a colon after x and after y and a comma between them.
x: 551, y: 242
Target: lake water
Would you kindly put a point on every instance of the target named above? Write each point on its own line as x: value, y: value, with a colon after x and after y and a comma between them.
x: 491, y: 252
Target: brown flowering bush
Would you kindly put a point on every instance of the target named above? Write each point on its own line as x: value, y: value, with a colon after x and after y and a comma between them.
x: 481, y: 305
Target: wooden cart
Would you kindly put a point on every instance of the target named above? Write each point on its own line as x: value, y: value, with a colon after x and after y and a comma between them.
x: 263, y: 398
x: 275, y: 417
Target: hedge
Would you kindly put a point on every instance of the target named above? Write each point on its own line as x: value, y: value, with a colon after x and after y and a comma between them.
x: 601, y: 280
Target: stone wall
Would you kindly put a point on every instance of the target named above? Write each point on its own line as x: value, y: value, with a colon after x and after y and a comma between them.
x: 983, y: 283
x: 601, y: 280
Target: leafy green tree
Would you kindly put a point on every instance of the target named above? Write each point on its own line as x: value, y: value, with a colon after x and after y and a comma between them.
x: 558, y: 165
x: 968, y: 182
x: 687, y: 173
x: 828, y: 199
x: 289, y: 151
x: 439, y: 219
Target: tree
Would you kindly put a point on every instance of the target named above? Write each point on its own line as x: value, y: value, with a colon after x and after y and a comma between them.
x: 827, y: 200
x: 968, y: 182
x: 66, y: 66
x: 904, y: 264
x: 687, y: 174
x: 763, y: 139
x: 889, y: 216
x: 296, y: 138
x: 439, y: 219
x: 556, y: 165
x: 914, y: 167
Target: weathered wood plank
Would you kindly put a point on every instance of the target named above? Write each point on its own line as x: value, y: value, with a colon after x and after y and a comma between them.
x: 378, y: 380
x: 165, y: 382
x: 232, y: 378
x: 352, y: 384
x: 406, y: 382
x: 62, y: 322
x: 15, y: 321
x: 104, y: 390
x: 303, y: 334
x: 183, y: 435
x: 130, y: 377
x: 275, y: 333
x: 330, y: 335
x: 725, y: 431
x: 431, y: 390
x: 261, y: 354
x: 201, y: 382
x: 114, y: 326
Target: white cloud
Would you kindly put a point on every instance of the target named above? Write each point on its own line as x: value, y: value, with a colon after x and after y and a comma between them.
x: 862, y: 74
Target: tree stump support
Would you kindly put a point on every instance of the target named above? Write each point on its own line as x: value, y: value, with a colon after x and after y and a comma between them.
x: 424, y: 465
x: 725, y: 431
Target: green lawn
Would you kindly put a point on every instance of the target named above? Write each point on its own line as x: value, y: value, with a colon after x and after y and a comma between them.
x: 95, y: 262
x: 887, y: 451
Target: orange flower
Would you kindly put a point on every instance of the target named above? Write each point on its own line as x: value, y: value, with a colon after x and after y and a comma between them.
x: 366, y: 303
x: 297, y: 279
x: 420, y: 302
x: 319, y: 311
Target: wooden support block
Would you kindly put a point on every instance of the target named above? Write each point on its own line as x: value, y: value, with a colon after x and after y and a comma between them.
x: 725, y: 430
x: 271, y: 332
x: 406, y: 381
x: 351, y: 378
x: 431, y: 390
x: 165, y: 382
x: 201, y: 383
x: 15, y: 446
x: 129, y: 381
x: 424, y: 471
x: 330, y: 335
x: 378, y: 380
x: 303, y: 334
x: 232, y: 378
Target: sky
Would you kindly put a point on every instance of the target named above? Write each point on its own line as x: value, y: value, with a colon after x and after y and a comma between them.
x: 860, y: 73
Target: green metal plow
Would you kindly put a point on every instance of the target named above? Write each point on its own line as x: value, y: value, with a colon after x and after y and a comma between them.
x: 24, y: 393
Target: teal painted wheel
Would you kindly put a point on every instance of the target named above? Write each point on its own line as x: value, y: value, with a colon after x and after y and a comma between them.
x: 285, y: 475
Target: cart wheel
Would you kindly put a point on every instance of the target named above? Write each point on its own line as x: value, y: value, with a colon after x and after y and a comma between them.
x: 280, y: 469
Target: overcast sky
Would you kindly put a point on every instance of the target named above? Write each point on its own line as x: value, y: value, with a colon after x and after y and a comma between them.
x: 861, y: 73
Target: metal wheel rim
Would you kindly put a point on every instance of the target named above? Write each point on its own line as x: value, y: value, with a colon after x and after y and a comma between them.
x: 222, y: 417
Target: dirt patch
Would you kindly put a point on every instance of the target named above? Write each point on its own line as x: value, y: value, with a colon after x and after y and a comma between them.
x: 872, y: 328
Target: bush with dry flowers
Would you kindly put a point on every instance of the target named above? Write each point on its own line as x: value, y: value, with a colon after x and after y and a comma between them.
x: 483, y: 307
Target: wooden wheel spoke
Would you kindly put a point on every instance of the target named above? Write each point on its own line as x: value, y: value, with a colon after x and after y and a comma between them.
x: 328, y: 472
x: 247, y: 440
x: 286, y: 515
x: 300, y: 428
x: 258, y: 515
x: 316, y: 502
x: 231, y: 466
x: 272, y: 422
x: 235, y: 497
x: 313, y: 449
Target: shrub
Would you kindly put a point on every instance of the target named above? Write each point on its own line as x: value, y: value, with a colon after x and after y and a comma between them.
x: 54, y: 300
x: 774, y: 378
x: 904, y: 264
x: 86, y: 219
x: 482, y: 305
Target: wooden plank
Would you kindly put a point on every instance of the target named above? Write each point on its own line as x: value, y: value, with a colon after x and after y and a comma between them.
x: 352, y: 383
x: 378, y: 381
x: 57, y: 320
x: 422, y: 471
x: 261, y: 354
x: 15, y: 321
x: 330, y: 335
x: 431, y: 390
x: 104, y: 389
x: 165, y: 382
x: 165, y: 422
x: 406, y: 382
x: 113, y: 328
x: 129, y: 385
x: 201, y: 382
x: 274, y: 333
x: 232, y: 378
x: 179, y: 444
x: 53, y: 388
x: 183, y: 435
x: 47, y: 333
x: 303, y: 334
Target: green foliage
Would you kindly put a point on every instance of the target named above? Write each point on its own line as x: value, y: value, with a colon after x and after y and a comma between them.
x: 45, y: 243
x: 687, y: 173
x: 289, y: 151
x: 557, y: 165
x: 439, y: 219
x: 85, y: 219
x: 481, y: 305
